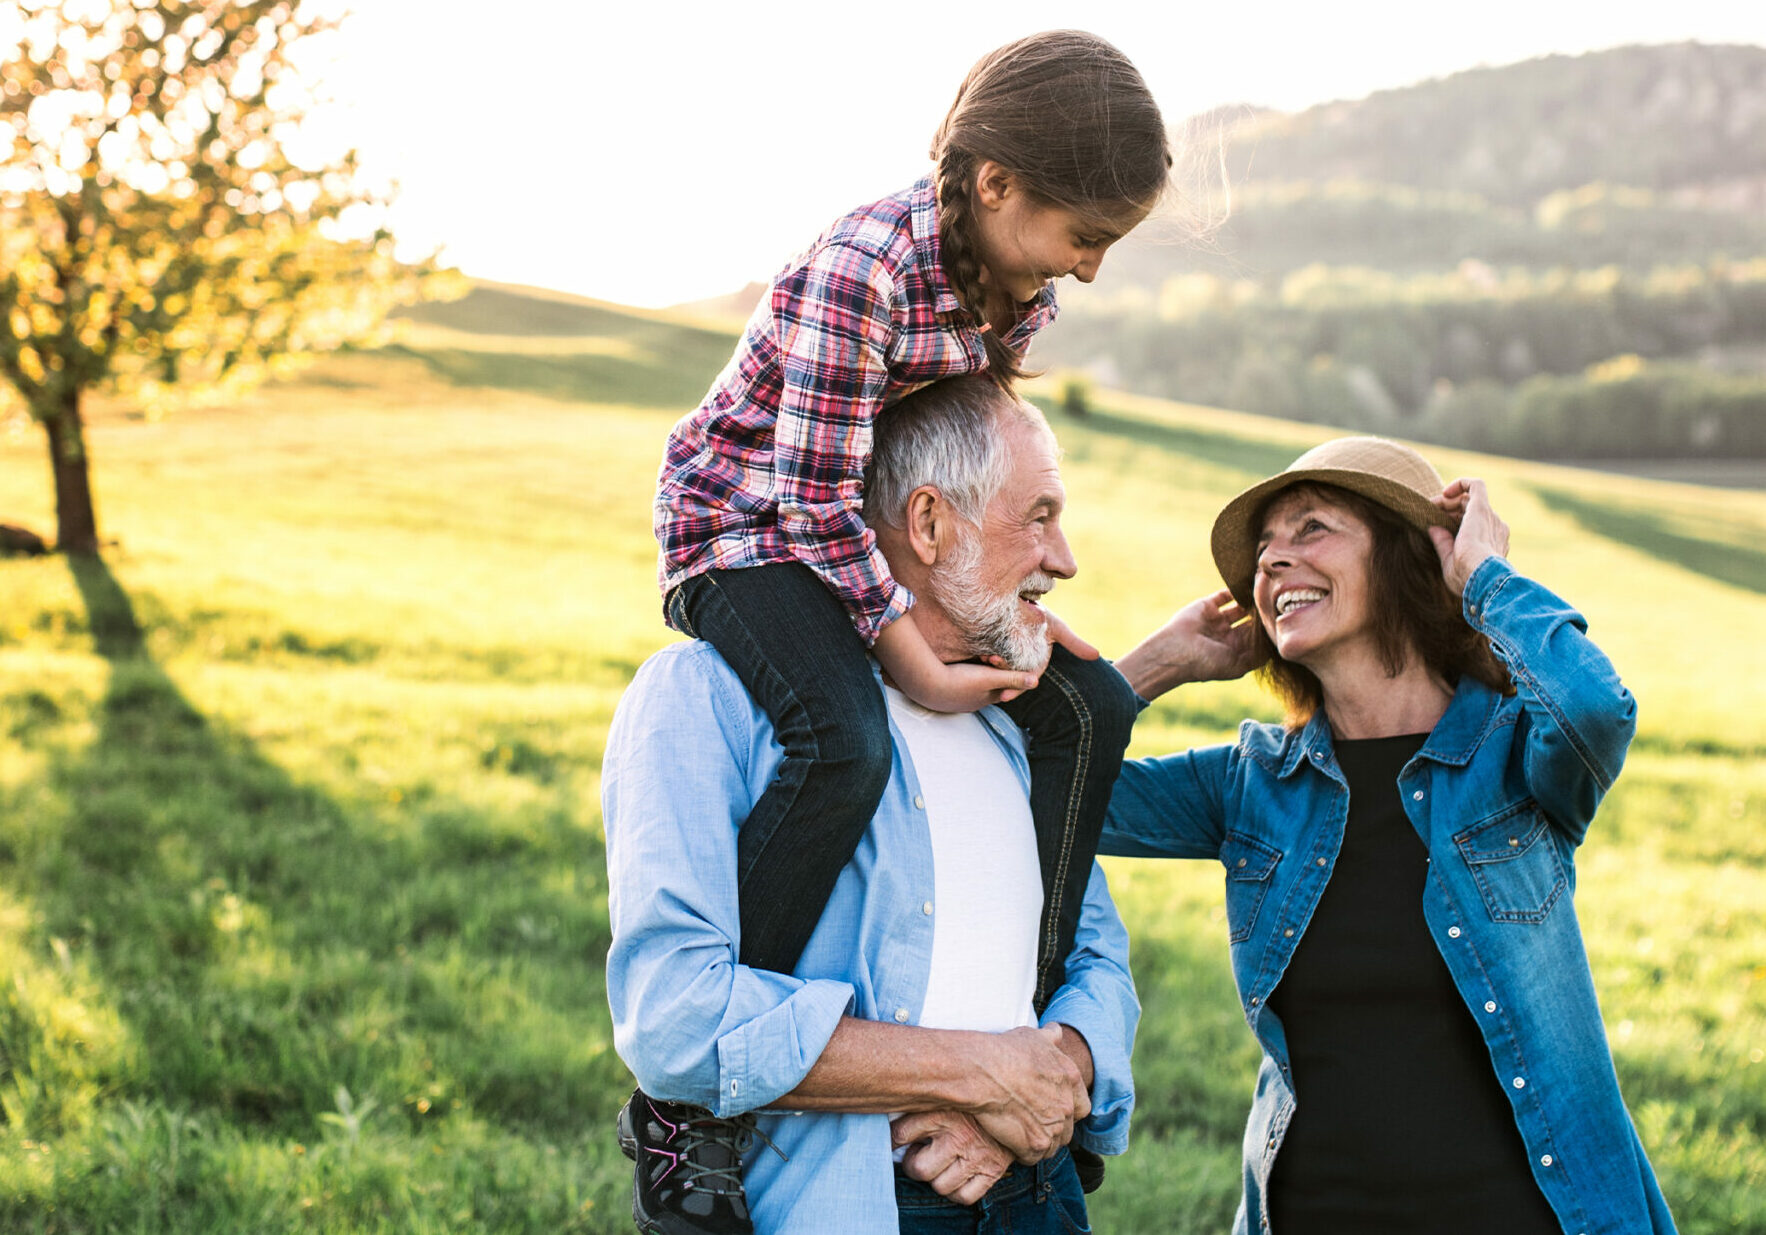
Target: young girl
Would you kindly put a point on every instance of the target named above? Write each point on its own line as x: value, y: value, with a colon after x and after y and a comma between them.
x: 1053, y: 150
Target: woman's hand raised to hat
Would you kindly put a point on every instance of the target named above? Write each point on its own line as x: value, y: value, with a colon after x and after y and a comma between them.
x: 1481, y: 533
x: 1208, y: 640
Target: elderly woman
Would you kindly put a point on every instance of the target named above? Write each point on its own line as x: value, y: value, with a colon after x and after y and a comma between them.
x: 1399, y: 859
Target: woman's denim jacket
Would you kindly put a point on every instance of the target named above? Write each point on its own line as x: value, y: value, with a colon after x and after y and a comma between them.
x: 1501, y: 793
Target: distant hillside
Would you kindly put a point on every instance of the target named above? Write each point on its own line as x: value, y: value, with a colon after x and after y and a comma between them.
x: 1635, y: 157
x: 1564, y: 258
x: 730, y: 311
x: 1687, y: 118
x: 567, y: 347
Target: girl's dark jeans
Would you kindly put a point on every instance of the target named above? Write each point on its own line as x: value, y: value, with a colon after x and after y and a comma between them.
x: 794, y: 648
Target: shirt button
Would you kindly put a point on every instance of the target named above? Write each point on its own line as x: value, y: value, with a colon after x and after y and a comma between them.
x: 1321, y: 862
x: 1255, y: 1001
x: 901, y: 1018
x: 1288, y: 934
x: 1545, y: 1160
x: 926, y: 909
x: 1489, y: 1005
x: 735, y: 1088
x: 1241, y: 861
x: 1520, y: 1082
x: 1417, y: 796
x: 919, y: 802
x: 1453, y: 932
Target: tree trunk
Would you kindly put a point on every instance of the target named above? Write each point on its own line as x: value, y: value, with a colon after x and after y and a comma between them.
x: 76, y: 526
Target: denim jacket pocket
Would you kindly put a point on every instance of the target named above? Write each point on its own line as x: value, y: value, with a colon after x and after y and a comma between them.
x: 1514, y: 863
x: 1249, y: 865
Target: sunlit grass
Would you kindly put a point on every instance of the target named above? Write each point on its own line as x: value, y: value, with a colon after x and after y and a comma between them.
x: 336, y: 826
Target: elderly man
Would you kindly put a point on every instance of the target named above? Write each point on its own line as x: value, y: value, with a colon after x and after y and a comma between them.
x: 911, y: 1019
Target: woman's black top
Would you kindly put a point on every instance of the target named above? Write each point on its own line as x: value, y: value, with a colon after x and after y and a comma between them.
x: 1400, y: 1125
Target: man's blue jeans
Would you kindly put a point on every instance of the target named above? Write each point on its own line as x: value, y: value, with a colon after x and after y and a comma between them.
x: 1044, y: 1199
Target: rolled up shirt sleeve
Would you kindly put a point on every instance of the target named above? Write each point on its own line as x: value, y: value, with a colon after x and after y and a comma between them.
x: 692, y: 1023
x: 1099, y: 1001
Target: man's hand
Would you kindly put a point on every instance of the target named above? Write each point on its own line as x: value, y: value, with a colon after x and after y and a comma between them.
x: 948, y: 1150
x: 1481, y: 534
x: 1208, y: 640
x: 1032, y: 1092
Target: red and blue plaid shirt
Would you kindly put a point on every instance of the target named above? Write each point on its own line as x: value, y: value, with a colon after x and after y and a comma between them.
x: 770, y: 467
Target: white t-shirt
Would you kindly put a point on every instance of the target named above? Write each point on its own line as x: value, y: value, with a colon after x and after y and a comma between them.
x: 987, y: 879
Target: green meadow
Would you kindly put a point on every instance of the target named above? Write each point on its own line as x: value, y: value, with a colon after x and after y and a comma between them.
x: 302, y: 897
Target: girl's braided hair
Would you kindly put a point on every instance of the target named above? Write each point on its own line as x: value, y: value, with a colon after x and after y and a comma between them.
x: 1069, y: 116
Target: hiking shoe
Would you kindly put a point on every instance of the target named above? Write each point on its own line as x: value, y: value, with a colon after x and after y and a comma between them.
x: 689, y: 1174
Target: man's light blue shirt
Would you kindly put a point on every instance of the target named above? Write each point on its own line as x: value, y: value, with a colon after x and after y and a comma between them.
x: 688, y: 753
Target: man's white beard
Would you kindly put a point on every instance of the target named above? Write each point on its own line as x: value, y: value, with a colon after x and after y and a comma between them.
x: 992, y: 624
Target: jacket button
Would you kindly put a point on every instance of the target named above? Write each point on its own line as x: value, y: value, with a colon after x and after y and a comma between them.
x: 1241, y: 861
x: 1288, y: 934
x: 1322, y: 862
x: 1255, y: 1001
x: 1453, y: 932
x: 1489, y: 1005
x: 1545, y: 1160
x: 1417, y: 796
x: 1520, y: 1082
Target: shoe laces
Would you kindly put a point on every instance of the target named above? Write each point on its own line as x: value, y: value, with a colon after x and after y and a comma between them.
x: 736, y: 1135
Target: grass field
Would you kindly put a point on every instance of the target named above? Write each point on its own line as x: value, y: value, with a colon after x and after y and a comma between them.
x: 301, y: 881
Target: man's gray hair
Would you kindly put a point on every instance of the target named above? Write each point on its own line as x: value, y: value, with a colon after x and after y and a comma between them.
x: 946, y: 435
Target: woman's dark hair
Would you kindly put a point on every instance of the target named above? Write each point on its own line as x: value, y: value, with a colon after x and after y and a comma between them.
x: 1408, y: 602
x: 1071, y: 119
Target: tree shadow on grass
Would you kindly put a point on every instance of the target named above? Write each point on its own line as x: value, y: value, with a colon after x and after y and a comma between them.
x: 263, y: 943
x: 1722, y: 559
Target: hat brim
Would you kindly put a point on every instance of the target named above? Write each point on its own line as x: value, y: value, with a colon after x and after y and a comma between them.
x: 1234, y: 539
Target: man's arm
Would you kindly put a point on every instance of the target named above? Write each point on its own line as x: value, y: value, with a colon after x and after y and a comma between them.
x: 687, y: 754
x: 1023, y: 1088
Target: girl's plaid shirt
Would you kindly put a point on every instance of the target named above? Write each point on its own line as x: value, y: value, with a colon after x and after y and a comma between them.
x: 770, y: 467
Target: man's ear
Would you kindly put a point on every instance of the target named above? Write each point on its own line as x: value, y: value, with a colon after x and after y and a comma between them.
x: 927, y: 523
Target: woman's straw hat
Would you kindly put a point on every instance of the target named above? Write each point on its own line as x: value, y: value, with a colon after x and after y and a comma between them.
x: 1383, y: 471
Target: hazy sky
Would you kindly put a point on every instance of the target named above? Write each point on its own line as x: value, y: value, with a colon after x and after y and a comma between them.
x: 651, y: 153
